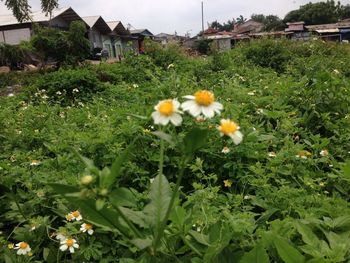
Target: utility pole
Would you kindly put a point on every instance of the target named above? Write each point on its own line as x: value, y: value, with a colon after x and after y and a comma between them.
x: 202, y: 18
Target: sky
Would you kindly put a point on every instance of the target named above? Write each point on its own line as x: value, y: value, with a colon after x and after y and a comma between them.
x: 168, y: 16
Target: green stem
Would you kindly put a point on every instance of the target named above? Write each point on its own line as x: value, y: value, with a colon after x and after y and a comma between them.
x: 130, y: 224
x: 161, y: 157
x: 172, y: 200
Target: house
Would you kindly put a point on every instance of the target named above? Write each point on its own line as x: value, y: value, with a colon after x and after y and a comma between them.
x: 339, y: 31
x: 98, y: 33
x: 165, y: 38
x: 250, y: 26
x: 140, y: 35
x: 12, y: 32
x: 121, y: 39
x: 298, y: 31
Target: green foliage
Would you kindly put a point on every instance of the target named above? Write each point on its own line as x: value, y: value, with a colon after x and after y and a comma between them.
x: 11, y: 55
x: 319, y: 13
x: 67, y: 86
x: 203, y: 46
x: 270, y: 22
x: 279, y: 196
x: 268, y: 53
x: 62, y: 47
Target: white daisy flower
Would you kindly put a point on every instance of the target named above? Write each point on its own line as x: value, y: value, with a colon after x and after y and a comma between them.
x: 34, y: 163
x: 86, y: 228
x: 60, y: 236
x: 231, y: 129
x: 167, y: 111
x: 22, y: 248
x: 272, y: 154
x: 69, y: 244
x: 202, y: 102
x: 74, y: 216
x: 324, y: 153
x: 225, y: 150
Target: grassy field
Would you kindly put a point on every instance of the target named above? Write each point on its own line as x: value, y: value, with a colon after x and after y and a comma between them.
x: 82, y: 142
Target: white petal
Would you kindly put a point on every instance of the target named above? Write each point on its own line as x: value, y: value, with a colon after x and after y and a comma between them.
x: 164, y: 120
x: 195, y: 110
x: 237, y: 137
x: 75, y: 245
x: 176, y: 119
x: 63, y: 247
x: 208, y: 112
x: 71, y: 250
x: 188, y: 104
x: 217, y: 107
x: 90, y: 232
x: 176, y: 105
x: 79, y: 218
x: 189, y: 97
x: 20, y: 252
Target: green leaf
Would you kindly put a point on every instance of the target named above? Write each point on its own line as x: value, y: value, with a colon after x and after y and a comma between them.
x: 46, y: 252
x: 195, y: 139
x: 142, y: 243
x: 346, y: 169
x: 160, y: 196
x: 123, y: 197
x: 178, y: 216
x: 256, y: 255
x: 100, y: 204
x: 116, y: 169
x: 288, y: 253
x: 199, y: 237
x: 164, y: 136
x: 342, y: 223
x: 307, y: 235
x: 64, y: 189
x: 137, y: 217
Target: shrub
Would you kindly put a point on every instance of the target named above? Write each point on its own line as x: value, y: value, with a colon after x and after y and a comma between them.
x: 268, y: 53
x: 65, y: 86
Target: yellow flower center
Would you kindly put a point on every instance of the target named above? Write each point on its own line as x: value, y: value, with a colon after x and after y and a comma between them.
x: 228, y: 127
x: 204, y: 97
x: 69, y: 217
x: 70, y: 242
x: 166, y: 107
x: 23, y: 245
x: 88, y: 226
x: 76, y: 214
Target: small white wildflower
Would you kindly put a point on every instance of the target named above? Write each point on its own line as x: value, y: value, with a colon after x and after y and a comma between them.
x: 69, y: 244
x: 225, y: 150
x: 22, y: 248
x: 86, y: 228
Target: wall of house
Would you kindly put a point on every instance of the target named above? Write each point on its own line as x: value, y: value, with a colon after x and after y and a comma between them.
x: 95, y: 38
x: 59, y: 22
x: 15, y: 36
x: 107, y: 44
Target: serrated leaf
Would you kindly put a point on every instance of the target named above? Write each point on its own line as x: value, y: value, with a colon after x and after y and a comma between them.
x: 123, y: 197
x: 137, y: 217
x: 287, y: 252
x: 195, y: 139
x: 257, y: 255
x: 160, y: 196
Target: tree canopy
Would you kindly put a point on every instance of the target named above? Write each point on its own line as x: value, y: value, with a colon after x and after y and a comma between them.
x: 226, y: 26
x: 319, y: 13
x: 21, y: 8
x: 270, y: 22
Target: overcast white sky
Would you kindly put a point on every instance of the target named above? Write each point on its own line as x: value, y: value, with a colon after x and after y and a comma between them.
x: 174, y: 15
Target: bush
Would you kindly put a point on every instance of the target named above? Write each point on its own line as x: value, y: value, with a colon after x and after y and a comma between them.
x: 11, y: 56
x: 268, y: 53
x: 66, y: 86
x: 203, y: 46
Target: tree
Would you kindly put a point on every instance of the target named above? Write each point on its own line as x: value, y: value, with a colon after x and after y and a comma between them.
x: 270, y: 22
x: 240, y: 20
x: 226, y: 26
x: 319, y: 13
x: 21, y: 8
x: 79, y: 45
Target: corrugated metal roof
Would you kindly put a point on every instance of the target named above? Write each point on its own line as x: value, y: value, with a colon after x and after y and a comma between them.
x: 97, y: 22
x: 38, y: 16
